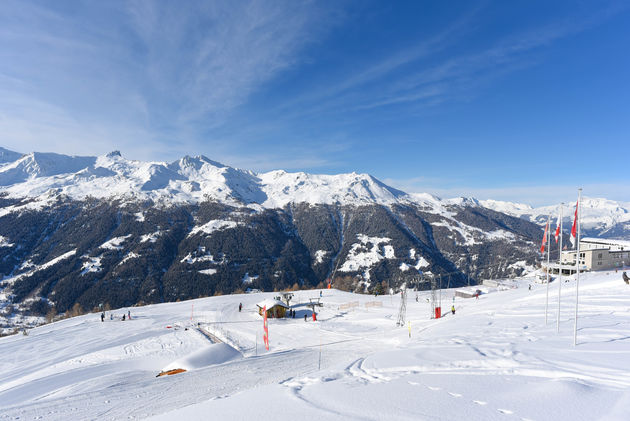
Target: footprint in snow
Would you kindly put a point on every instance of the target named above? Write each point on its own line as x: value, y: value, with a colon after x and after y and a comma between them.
x: 480, y: 402
x: 455, y: 395
x: 505, y: 411
x: 413, y: 383
x: 434, y: 388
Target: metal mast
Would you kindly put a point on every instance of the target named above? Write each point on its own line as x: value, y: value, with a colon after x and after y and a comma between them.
x: 577, y: 275
x: 548, y: 252
x: 559, y: 272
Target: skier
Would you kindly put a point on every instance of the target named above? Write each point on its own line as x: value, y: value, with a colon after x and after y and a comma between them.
x: 625, y: 278
x: 111, y: 316
x: 320, y: 294
x: 240, y: 307
x: 453, y: 309
x: 102, y: 317
x: 123, y: 319
x: 305, y: 317
x: 314, y: 316
x: 129, y: 314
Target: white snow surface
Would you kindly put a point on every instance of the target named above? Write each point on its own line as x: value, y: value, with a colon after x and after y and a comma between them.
x: 495, y: 359
x: 366, y: 253
x: 4, y: 242
x: 209, y: 355
x: 319, y: 256
x: 151, y: 238
x: 129, y: 256
x: 115, y: 243
x: 212, y: 226
x: 91, y: 264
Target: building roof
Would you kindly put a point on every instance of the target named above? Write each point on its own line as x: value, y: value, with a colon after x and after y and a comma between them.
x: 606, y: 241
x: 271, y: 303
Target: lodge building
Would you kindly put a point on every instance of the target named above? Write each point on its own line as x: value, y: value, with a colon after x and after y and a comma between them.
x: 595, y: 254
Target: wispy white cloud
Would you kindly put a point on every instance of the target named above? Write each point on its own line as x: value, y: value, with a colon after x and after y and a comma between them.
x: 146, y: 71
x: 422, y: 74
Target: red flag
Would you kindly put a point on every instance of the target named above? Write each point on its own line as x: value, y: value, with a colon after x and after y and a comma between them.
x: 265, y: 329
x: 574, y: 228
x: 544, y: 240
x: 557, y: 234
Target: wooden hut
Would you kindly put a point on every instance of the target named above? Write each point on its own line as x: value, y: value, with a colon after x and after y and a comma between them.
x: 275, y: 308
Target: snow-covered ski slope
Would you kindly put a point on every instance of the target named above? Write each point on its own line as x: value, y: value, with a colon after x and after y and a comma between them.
x: 495, y: 359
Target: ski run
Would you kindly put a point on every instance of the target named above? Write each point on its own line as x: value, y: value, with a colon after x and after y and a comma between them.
x: 494, y: 359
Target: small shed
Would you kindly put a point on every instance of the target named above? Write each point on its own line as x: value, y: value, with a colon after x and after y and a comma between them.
x: 275, y: 308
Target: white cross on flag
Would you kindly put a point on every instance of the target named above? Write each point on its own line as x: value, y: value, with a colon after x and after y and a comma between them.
x: 557, y: 234
x: 574, y: 228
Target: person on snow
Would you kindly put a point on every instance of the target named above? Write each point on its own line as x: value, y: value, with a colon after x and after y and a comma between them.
x: 240, y: 307
x: 102, y: 317
x: 129, y: 314
x: 314, y: 316
x: 453, y: 309
x: 111, y: 316
x: 123, y: 319
x: 320, y: 294
x: 305, y: 317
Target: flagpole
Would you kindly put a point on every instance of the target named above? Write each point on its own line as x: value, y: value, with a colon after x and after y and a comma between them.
x: 548, y: 250
x: 559, y: 272
x: 577, y: 276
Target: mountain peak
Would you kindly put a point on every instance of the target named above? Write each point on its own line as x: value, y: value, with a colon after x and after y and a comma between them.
x: 8, y: 156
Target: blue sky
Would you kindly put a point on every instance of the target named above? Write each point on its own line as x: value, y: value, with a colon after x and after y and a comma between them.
x: 511, y: 100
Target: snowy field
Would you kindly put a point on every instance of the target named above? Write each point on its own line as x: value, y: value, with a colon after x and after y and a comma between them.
x: 495, y: 359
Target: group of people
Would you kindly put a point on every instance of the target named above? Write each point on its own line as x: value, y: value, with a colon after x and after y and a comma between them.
x: 111, y: 316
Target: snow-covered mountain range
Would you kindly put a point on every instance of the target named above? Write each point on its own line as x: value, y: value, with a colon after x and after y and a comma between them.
x: 44, y: 176
x: 600, y: 217
x: 92, y: 230
x: 187, y: 180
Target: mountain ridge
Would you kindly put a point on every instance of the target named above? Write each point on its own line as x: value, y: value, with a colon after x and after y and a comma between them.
x: 186, y: 180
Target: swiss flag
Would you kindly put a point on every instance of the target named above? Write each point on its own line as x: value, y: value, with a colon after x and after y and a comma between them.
x: 265, y: 329
x: 557, y: 234
x: 574, y: 228
x: 544, y: 240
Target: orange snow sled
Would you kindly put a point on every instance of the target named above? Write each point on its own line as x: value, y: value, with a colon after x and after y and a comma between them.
x: 171, y: 372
